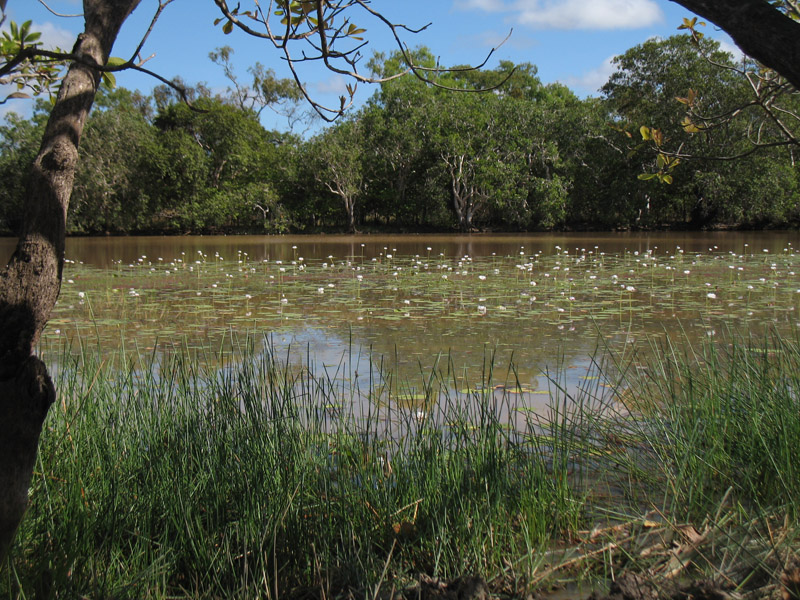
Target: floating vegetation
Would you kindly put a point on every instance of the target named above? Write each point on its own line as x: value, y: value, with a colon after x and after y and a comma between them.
x: 410, y: 309
x: 251, y: 428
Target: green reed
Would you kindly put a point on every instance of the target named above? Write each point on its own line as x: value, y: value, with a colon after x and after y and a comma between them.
x: 253, y: 479
x: 717, y: 421
x: 175, y: 473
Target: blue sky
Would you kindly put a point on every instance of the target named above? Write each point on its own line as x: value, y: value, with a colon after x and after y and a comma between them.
x: 570, y: 41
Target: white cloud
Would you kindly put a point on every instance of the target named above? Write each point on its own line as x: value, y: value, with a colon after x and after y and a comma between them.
x: 574, y: 14
x: 54, y: 36
x: 591, y: 81
x: 732, y: 49
x: 597, y: 14
x: 333, y: 85
x: 495, y: 39
x: 484, y: 5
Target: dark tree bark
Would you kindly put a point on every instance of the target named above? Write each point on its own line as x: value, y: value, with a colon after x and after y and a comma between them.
x: 30, y: 283
x: 759, y: 29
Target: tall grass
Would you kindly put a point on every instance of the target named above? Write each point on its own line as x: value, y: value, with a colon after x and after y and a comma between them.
x: 160, y: 477
x: 246, y: 479
x: 717, y: 421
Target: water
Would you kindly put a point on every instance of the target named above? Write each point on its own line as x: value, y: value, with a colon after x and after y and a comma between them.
x: 104, y: 251
x: 357, y: 307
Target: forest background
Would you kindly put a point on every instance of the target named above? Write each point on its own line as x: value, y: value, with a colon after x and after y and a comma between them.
x: 523, y: 157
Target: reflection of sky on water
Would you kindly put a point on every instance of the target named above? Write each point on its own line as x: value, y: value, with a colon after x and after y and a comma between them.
x: 360, y: 320
x: 359, y: 383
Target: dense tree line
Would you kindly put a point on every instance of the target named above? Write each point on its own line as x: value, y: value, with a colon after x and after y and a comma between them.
x: 524, y: 156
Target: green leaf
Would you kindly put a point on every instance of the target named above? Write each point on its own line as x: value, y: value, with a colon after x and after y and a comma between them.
x: 109, y: 80
x: 115, y: 61
x: 227, y: 28
x: 645, y: 131
x: 646, y: 176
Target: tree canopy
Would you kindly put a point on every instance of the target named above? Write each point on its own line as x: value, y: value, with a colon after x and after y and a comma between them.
x: 511, y: 163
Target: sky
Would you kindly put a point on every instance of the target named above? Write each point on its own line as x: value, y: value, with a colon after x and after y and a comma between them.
x: 570, y: 41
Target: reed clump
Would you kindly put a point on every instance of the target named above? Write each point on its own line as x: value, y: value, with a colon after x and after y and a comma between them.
x: 238, y: 475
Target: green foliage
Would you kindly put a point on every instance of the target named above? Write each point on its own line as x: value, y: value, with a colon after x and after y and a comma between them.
x: 336, y: 164
x: 525, y: 156
x: 723, y: 423
x: 169, y: 479
x: 19, y: 143
x: 20, y: 69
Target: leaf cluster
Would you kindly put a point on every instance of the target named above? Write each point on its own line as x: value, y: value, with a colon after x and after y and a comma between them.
x: 19, y: 66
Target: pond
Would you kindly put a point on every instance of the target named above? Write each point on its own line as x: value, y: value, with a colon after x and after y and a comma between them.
x: 522, y: 306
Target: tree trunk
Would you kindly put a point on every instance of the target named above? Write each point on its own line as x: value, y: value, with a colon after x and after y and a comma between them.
x: 759, y: 29
x: 350, y: 209
x: 31, y: 281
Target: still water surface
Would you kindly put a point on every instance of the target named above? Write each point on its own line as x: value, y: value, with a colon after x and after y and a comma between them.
x: 348, y: 305
x: 105, y: 251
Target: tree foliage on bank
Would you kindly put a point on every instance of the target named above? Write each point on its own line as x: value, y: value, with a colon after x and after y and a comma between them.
x: 526, y: 156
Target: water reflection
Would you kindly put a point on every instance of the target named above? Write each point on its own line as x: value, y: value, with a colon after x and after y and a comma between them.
x: 354, y: 308
x: 105, y: 251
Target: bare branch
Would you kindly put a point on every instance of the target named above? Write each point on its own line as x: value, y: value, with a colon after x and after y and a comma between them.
x: 57, y: 14
x: 325, y: 26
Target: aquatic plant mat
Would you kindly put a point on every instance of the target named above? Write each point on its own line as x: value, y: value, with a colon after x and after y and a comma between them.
x: 163, y: 474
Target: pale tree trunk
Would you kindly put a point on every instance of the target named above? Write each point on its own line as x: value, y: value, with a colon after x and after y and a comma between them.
x: 30, y: 284
x: 348, y: 196
x: 350, y: 207
x: 465, y: 195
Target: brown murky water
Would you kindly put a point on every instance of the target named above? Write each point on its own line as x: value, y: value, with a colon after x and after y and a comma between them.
x: 522, y: 305
x: 102, y: 252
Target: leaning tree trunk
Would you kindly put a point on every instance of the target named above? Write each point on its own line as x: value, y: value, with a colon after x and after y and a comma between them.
x: 31, y: 281
x: 759, y: 29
